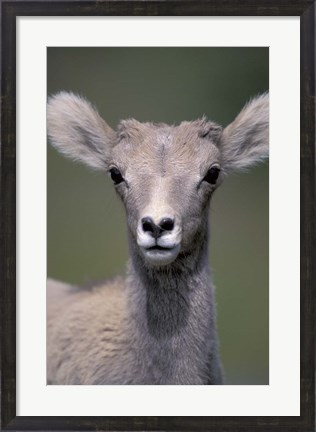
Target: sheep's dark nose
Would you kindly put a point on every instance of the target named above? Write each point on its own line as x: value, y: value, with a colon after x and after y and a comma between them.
x: 166, y: 224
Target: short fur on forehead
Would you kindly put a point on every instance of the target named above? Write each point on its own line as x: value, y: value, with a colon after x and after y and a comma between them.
x: 189, y: 130
x: 201, y: 128
x: 130, y: 129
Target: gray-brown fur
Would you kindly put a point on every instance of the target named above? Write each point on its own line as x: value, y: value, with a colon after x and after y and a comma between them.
x: 158, y: 324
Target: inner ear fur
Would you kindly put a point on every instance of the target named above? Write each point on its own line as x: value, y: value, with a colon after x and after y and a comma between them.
x: 76, y: 129
x: 245, y: 141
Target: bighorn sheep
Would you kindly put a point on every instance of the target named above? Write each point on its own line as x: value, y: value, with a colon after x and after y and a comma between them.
x: 157, y: 325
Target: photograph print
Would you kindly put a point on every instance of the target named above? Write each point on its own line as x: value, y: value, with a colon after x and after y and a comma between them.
x: 157, y: 216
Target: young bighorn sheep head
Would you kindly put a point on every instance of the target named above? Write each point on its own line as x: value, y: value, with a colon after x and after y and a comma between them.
x: 165, y: 175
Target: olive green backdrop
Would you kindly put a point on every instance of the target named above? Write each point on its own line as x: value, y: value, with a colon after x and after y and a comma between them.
x: 86, y: 234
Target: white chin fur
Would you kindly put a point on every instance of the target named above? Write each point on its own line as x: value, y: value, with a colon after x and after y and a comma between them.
x: 157, y: 257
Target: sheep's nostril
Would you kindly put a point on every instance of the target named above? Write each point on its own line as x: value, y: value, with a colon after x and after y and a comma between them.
x: 166, y: 224
x: 148, y: 224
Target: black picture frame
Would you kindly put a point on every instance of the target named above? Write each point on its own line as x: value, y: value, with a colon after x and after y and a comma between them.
x: 10, y: 9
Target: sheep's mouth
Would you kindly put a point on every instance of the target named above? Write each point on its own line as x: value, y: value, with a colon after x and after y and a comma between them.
x: 159, y: 248
x: 161, y: 255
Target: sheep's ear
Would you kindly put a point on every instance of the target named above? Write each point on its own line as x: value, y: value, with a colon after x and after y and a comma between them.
x: 245, y: 141
x: 76, y: 129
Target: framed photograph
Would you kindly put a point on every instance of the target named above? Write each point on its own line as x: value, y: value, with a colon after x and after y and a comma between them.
x: 239, y: 236
x: 166, y: 102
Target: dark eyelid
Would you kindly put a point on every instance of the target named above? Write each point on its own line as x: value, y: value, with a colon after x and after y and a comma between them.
x: 116, y: 175
x: 111, y: 167
x: 214, y: 165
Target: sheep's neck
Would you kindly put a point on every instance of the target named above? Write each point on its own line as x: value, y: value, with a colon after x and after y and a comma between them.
x: 172, y: 310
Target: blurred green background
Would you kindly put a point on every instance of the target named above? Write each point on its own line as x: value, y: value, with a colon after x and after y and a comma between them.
x: 86, y: 234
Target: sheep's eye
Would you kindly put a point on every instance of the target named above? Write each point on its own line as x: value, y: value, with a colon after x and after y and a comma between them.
x: 212, y: 175
x: 116, y: 176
